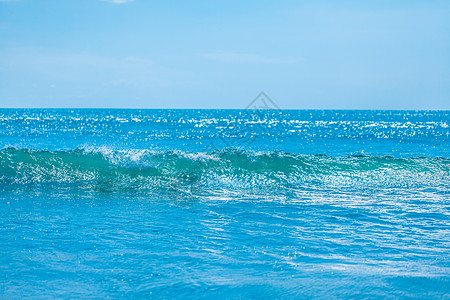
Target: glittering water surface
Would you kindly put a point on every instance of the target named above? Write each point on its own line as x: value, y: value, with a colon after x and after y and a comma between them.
x: 229, y: 204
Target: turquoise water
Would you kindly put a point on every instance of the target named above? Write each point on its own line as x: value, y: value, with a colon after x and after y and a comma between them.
x: 224, y: 203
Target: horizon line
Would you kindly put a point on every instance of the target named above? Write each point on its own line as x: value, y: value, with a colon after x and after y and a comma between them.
x: 280, y: 109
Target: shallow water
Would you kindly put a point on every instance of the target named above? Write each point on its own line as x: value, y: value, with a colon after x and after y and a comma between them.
x: 234, y: 204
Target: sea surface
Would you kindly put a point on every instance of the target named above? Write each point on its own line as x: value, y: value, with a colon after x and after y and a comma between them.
x: 256, y: 203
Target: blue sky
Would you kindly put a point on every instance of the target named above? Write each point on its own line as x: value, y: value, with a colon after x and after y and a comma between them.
x: 221, y: 54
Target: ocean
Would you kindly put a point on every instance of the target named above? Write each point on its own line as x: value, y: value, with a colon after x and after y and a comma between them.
x: 253, y: 203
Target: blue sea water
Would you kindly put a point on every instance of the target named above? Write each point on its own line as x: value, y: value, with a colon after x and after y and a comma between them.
x: 262, y: 204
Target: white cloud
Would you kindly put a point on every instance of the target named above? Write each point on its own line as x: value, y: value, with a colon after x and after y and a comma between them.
x: 233, y: 57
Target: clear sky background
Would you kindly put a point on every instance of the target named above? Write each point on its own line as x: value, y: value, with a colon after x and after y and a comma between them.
x: 221, y: 54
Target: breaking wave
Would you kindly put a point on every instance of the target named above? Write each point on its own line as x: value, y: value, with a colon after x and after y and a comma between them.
x: 105, y: 170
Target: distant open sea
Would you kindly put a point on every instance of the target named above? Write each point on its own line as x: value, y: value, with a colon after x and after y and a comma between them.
x: 263, y: 204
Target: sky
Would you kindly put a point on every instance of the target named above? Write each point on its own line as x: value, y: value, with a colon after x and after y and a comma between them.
x: 221, y: 54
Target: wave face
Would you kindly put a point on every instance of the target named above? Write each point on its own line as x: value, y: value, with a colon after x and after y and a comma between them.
x: 218, y: 171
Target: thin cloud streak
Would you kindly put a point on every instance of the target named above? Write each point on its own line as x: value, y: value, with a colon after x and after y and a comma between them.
x: 233, y: 57
x: 115, y: 1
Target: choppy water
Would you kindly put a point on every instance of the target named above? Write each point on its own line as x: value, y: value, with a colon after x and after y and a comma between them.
x: 224, y: 203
